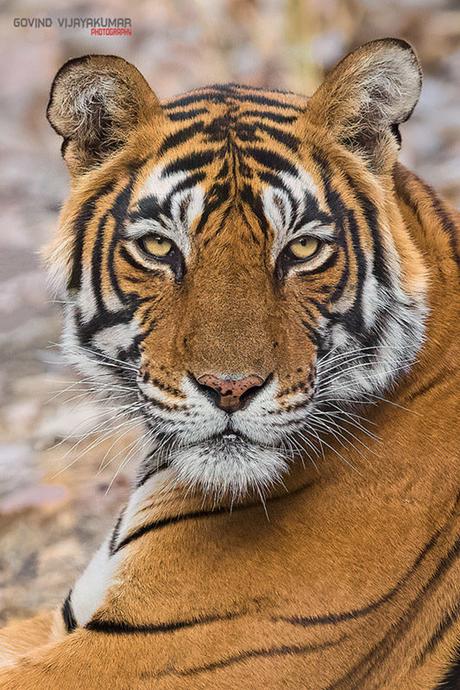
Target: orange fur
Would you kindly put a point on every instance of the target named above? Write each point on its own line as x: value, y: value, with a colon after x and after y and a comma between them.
x: 350, y: 577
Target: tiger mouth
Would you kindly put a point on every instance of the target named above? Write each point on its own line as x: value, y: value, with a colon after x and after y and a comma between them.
x: 226, y: 438
x: 230, y: 435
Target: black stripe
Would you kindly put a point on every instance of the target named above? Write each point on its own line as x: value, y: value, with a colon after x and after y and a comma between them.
x: 312, y: 212
x: 269, y: 115
x: 148, y: 208
x: 431, y: 382
x: 271, y: 160
x: 130, y: 259
x: 232, y: 87
x: 150, y: 471
x: 369, y: 210
x: 333, y: 618
x: 192, y: 98
x: 175, y: 519
x: 267, y: 653
x: 148, y: 316
x: 221, y: 226
x: 133, y: 279
x: 449, y: 226
x: 394, y: 634
x: 339, y: 212
x: 161, y: 405
x: 119, y: 212
x: 83, y: 218
x: 330, y: 262
x: 115, y: 533
x: 192, y: 161
x: 314, y: 337
x: 321, y: 307
x: 216, y: 198
x: 342, y: 283
x: 132, y: 352
x: 247, y: 224
x: 68, y: 615
x: 180, y: 137
x: 133, y: 262
x: 96, y: 263
x: 272, y: 179
x: 443, y: 627
x: 264, y: 100
x: 451, y: 680
x: 354, y: 316
x: 86, y: 331
x: 189, y: 182
x: 220, y: 93
x: 289, y: 140
x: 187, y: 114
x: 310, y: 313
x: 166, y: 522
x: 255, y: 204
x: 123, y: 628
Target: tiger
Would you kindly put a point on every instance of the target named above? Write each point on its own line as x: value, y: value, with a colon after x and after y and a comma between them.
x: 254, y: 275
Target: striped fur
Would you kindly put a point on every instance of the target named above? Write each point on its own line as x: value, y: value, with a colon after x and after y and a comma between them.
x: 284, y: 545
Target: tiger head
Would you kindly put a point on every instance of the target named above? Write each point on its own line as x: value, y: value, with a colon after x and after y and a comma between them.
x: 234, y: 264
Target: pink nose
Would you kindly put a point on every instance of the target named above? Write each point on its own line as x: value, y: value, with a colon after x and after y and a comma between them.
x: 232, y: 394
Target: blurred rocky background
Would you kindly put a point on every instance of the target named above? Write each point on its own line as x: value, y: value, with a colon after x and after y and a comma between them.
x: 61, y: 479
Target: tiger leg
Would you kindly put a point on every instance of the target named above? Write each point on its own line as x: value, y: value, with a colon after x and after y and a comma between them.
x: 24, y: 636
x: 84, y: 660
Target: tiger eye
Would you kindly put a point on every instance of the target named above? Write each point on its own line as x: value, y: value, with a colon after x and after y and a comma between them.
x: 156, y: 245
x: 304, y: 247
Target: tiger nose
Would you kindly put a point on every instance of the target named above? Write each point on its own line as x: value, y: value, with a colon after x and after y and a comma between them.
x: 231, y: 393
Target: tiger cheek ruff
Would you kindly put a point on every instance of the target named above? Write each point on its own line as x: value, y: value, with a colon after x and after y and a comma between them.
x: 253, y: 276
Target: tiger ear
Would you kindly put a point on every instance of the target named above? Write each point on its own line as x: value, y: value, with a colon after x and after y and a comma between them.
x: 366, y: 96
x: 95, y: 102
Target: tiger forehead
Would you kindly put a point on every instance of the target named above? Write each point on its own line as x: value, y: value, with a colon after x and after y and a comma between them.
x: 180, y: 204
x: 236, y: 100
x: 224, y: 147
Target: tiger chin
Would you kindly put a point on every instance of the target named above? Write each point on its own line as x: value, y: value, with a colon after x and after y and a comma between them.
x: 254, y: 277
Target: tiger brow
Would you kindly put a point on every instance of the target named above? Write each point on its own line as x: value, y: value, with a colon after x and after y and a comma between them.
x: 148, y: 209
x: 151, y: 209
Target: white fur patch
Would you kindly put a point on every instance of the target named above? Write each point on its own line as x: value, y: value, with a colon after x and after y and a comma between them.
x: 90, y: 589
x: 229, y: 466
x: 283, y: 215
x: 112, y: 339
x: 186, y: 207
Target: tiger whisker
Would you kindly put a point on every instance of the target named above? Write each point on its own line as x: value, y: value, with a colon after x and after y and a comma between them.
x: 103, y: 464
x: 125, y: 462
x: 91, y: 432
x: 344, y: 372
x: 97, y: 355
x: 343, y: 430
x: 135, y: 441
x: 360, y: 350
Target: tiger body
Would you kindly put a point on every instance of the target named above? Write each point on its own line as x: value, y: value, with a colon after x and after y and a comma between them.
x: 245, y: 559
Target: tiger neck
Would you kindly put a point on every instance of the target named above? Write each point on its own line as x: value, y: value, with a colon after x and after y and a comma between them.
x: 434, y: 227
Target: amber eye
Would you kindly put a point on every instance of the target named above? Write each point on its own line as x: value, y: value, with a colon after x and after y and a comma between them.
x: 304, y: 247
x: 155, y: 245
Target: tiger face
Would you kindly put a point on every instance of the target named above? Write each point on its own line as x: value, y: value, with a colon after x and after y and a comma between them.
x: 234, y: 264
